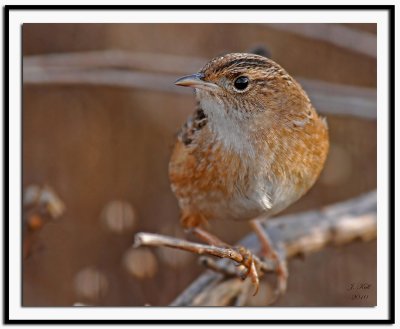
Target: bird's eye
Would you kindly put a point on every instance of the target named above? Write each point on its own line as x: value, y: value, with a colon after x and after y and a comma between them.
x: 241, y: 83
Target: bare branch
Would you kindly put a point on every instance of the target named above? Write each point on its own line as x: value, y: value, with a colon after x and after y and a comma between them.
x: 300, y: 233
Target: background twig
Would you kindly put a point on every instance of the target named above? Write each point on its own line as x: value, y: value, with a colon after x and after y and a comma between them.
x: 137, y: 70
x: 336, y: 34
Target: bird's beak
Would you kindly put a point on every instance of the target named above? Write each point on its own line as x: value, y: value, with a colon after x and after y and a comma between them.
x: 196, y: 81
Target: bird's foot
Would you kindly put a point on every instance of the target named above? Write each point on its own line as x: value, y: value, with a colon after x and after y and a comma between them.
x: 249, y: 261
x: 251, y: 265
x: 253, y: 269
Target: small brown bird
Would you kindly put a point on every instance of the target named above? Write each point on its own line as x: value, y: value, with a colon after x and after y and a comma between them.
x: 254, y: 145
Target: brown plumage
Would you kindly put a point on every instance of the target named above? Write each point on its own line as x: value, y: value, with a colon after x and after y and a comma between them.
x: 254, y: 146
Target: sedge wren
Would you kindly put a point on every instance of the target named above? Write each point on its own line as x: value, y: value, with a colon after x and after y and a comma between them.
x: 253, y: 146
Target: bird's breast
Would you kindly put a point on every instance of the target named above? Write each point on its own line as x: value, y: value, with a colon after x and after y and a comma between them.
x: 216, y: 182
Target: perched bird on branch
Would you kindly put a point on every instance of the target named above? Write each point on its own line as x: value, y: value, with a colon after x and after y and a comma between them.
x: 253, y: 146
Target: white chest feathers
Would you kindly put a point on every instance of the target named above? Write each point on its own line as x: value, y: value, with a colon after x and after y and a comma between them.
x: 230, y: 125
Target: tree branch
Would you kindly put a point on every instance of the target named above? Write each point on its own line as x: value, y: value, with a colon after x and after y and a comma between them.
x: 297, y: 234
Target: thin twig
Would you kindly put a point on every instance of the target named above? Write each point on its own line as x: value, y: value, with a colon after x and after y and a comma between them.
x: 157, y: 240
x: 219, y: 267
x: 342, y: 36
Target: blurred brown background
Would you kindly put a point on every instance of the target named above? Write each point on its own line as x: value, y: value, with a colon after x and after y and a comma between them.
x: 103, y: 150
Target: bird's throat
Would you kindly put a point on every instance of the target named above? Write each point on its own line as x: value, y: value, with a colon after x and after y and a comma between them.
x: 228, y: 126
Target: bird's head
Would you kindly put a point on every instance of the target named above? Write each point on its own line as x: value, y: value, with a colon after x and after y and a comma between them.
x: 242, y: 94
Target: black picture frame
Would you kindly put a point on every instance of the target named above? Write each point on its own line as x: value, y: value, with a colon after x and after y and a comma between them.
x: 6, y: 14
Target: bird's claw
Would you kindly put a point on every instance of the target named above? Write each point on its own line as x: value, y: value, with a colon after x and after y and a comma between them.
x: 249, y: 263
x: 252, y: 270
